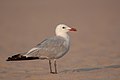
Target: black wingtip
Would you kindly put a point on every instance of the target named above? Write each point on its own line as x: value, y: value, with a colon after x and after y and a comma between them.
x: 19, y: 57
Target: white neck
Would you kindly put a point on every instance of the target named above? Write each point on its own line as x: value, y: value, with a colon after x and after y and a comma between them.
x: 64, y: 35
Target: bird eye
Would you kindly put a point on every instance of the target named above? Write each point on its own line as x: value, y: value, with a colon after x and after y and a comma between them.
x: 63, y: 27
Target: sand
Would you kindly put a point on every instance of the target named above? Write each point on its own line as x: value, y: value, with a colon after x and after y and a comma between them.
x: 95, y: 47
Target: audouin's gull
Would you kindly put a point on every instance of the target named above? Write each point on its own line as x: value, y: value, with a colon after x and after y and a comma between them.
x: 51, y: 48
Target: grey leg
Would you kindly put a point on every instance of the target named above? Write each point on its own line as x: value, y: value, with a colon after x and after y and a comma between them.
x: 55, y: 65
x: 50, y: 66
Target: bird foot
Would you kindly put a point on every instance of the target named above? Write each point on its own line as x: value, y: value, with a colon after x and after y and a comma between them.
x: 53, y: 72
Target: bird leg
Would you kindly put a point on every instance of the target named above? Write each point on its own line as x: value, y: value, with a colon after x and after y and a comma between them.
x: 50, y: 66
x: 55, y: 65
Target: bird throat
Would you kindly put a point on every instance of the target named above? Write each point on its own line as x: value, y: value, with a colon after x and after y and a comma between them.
x: 64, y: 35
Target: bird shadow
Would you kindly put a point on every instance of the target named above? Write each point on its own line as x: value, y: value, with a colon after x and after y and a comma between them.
x: 89, y: 69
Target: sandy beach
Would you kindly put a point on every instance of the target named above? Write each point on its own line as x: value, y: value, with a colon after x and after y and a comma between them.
x: 95, y: 47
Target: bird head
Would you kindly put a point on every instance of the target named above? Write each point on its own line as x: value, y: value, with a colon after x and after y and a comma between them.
x: 62, y: 28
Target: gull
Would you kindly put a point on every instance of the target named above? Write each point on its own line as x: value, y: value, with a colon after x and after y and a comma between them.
x: 51, y: 48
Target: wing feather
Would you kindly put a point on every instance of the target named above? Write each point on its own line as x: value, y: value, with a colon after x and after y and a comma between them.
x: 51, y: 48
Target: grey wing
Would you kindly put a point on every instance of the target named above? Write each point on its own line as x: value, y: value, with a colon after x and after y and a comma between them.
x: 49, y: 48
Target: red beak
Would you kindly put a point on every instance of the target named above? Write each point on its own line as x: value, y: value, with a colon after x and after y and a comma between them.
x: 72, y: 29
